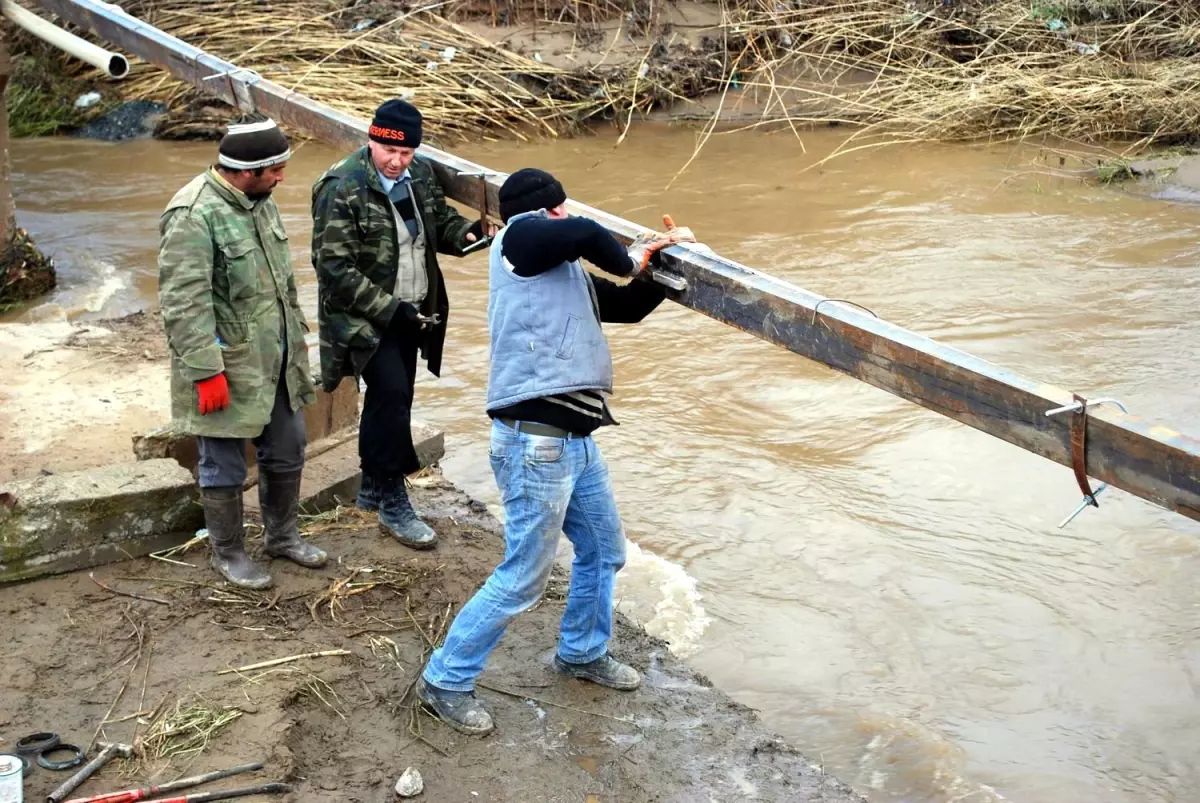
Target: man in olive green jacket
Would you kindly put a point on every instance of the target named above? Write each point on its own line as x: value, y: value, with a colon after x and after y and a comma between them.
x: 239, y: 363
x: 379, y: 220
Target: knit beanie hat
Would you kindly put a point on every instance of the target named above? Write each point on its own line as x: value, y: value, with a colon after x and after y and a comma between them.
x: 396, y: 122
x: 252, y: 142
x: 529, y: 190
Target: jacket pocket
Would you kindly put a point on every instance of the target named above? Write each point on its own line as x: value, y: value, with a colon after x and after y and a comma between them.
x: 241, y: 262
x: 566, y: 349
x: 233, y: 332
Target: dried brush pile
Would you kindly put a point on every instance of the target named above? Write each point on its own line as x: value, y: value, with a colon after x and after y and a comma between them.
x: 969, y: 69
x: 352, y: 58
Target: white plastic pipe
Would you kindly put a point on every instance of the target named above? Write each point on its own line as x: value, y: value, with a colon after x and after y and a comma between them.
x: 114, y: 64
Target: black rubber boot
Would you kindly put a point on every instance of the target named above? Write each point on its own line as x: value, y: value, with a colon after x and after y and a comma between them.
x: 227, y: 537
x: 605, y: 670
x: 458, y: 709
x: 279, y: 498
x: 398, y: 519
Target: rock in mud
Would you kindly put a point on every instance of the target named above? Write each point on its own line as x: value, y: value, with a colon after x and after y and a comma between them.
x: 410, y: 784
x: 131, y: 120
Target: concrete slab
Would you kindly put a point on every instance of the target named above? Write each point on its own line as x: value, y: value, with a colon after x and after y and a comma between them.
x: 331, y: 413
x: 332, y: 475
x: 70, y: 521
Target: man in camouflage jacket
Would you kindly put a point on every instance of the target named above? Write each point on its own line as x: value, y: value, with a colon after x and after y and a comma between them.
x: 379, y: 220
x: 239, y: 364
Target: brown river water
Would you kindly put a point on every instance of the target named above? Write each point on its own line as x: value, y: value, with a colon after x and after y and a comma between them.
x: 886, y: 586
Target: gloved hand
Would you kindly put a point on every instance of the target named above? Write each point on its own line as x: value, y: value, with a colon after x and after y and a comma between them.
x: 214, y: 394
x: 646, y: 245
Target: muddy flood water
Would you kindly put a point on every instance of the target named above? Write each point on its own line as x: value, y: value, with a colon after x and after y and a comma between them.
x: 886, y: 586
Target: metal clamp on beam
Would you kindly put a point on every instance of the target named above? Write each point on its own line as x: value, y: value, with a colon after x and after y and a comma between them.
x: 813, y: 322
x: 482, y: 175
x: 239, y: 90
x: 1078, y: 409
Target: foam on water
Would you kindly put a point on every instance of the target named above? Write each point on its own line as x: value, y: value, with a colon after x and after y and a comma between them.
x: 96, y: 284
x: 663, y: 598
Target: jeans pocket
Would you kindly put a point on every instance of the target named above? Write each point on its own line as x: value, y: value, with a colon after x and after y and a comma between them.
x: 545, y: 450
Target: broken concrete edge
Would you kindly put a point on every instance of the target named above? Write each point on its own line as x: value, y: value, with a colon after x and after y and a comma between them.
x: 332, y: 413
x: 80, y: 519
x: 334, y: 477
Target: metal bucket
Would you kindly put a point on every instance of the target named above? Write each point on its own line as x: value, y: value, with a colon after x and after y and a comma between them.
x: 12, y: 771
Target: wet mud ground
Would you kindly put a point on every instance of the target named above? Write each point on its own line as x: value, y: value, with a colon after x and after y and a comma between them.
x: 88, y: 663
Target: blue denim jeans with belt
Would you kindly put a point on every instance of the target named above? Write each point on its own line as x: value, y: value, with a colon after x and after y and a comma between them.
x: 548, y: 486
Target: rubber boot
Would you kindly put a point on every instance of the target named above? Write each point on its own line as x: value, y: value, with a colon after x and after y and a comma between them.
x: 227, y: 537
x: 398, y: 519
x: 279, y: 499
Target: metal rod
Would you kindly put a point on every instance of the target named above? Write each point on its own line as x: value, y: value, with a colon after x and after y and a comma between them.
x: 1087, y: 500
x: 132, y: 795
x: 1151, y: 460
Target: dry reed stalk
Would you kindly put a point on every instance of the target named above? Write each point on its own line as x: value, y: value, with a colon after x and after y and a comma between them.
x: 187, y: 729
x: 463, y: 83
x: 1083, y: 70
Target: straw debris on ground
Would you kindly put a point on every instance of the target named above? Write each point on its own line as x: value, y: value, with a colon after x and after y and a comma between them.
x: 187, y: 729
x: 353, y: 57
x: 940, y: 70
x: 898, y: 71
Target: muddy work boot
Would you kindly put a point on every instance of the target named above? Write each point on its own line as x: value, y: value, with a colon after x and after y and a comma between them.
x: 227, y: 537
x: 368, y: 494
x: 398, y: 519
x: 279, y: 499
x: 605, y: 670
x: 458, y: 709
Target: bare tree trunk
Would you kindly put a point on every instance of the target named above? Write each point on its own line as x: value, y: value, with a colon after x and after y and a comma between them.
x: 8, y: 210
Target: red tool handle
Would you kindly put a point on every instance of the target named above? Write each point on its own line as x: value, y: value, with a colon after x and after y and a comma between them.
x: 133, y: 795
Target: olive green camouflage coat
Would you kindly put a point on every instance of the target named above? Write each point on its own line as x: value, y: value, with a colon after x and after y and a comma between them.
x: 354, y: 251
x: 228, y: 299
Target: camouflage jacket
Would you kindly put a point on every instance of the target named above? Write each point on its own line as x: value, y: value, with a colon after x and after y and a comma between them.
x: 354, y: 251
x: 228, y: 297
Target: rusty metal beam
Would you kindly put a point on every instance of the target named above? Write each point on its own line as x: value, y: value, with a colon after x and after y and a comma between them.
x: 1155, y: 462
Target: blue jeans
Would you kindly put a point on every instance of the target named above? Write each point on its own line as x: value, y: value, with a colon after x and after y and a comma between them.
x: 548, y: 486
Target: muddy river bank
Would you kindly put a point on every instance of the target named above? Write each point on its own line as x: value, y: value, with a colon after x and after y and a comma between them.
x: 885, y: 586
x: 176, y: 667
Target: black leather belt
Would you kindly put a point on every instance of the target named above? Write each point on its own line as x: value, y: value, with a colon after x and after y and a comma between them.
x: 534, y: 428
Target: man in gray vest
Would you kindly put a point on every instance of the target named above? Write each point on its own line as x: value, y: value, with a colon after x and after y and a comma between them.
x: 549, y: 382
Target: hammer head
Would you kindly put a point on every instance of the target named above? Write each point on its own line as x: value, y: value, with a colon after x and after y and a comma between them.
x: 116, y: 749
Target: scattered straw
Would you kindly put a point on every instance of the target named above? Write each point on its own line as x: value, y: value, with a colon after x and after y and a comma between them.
x: 287, y: 660
x: 351, y: 58
x: 187, y: 730
x: 386, y: 649
x: 109, y: 589
x: 169, y: 555
x: 360, y: 581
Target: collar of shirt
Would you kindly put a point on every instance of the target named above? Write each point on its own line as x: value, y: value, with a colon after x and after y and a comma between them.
x: 388, y: 183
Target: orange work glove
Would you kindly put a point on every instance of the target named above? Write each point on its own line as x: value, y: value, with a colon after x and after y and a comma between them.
x: 214, y: 394
x: 645, y: 246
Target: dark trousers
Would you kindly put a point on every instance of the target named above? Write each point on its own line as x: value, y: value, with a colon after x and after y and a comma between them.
x: 385, y: 443
x: 280, y: 447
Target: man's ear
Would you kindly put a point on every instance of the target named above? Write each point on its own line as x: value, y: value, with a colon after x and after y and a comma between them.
x: 557, y: 212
